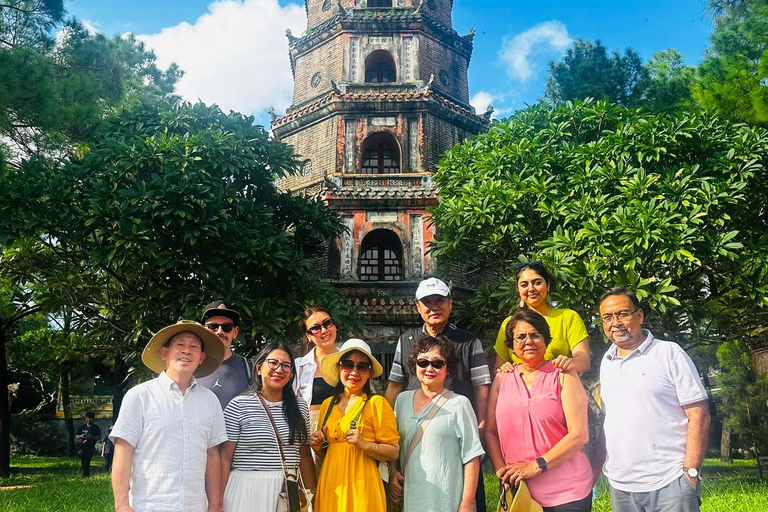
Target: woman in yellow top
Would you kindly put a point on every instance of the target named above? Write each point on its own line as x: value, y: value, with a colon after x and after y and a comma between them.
x: 357, y: 429
x: 569, y: 348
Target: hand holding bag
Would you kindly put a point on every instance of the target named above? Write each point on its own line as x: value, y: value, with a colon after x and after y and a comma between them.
x: 294, y: 497
x: 516, y: 500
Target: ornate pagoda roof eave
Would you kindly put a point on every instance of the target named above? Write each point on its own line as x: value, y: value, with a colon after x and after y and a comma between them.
x: 378, y: 103
x: 395, y: 20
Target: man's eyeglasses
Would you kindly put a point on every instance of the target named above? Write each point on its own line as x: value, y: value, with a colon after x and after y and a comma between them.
x: 519, y: 267
x: 348, y: 365
x: 226, y: 327
x: 274, y: 364
x: 520, y: 339
x: 620, y: 316
x: 437, y: 364
x: 326, y: 324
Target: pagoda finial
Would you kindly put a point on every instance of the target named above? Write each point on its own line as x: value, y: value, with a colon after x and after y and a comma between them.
x: 471, y: 36
x: 342, y: 10
x: 418, y: 9
x: 489, y: 112
x: 272, y: 113
x: 291, y: 38
x: 336, y: 88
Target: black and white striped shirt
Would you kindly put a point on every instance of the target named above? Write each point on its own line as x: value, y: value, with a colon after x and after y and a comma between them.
x: 248, y: 425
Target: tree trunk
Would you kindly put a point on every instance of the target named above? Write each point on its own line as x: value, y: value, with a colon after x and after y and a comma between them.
x: 726, y: 454
x: 120, y: 384
x: 5, y: 409
x: 65, y: 402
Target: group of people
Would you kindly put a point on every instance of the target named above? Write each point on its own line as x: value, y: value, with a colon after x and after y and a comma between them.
x: 212, y: 430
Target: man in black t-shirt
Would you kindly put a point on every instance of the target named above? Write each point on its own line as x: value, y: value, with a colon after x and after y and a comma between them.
x: 234, y: 375
x: 87, y: 434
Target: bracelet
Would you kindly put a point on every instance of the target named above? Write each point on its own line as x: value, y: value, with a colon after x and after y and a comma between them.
x: 375, y: 448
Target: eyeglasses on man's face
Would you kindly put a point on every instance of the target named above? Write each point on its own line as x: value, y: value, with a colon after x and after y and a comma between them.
x: 274, y: 364
x: 325, y: 324
x: 349, y: 365
x: 226, y: 327
x: 621, y: 316
x: 437, y: 364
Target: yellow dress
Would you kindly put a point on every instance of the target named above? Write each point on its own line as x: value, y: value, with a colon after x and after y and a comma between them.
x: 349, y: 479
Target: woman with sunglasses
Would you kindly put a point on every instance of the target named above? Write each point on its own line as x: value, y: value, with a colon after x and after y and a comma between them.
x: 570, y: 341
x: 319, y: 334
x: 537, y: 422
x: 357, y: 429
x: 440, y: 466
x: 252, y: 463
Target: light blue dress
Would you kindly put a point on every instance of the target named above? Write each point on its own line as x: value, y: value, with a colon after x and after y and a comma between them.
x: 434, y: 477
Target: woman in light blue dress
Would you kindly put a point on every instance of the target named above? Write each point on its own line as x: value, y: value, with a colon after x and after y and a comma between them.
x: 441, y: 472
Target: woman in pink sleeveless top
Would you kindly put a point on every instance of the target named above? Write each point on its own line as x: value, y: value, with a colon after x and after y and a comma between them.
x: 537, y: 422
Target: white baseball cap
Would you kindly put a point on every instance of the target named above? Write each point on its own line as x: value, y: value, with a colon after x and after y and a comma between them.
x: 432, y: 286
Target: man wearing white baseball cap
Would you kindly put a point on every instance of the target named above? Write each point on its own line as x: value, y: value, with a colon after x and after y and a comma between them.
x: 433, y: 301
x: 168, y: 431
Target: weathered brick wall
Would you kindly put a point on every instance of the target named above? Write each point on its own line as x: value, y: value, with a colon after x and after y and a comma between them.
x: 317, y: 143
x: 441, y: 11
x: 326, y: 59
x: 435, y: 57
x: 440, y: 136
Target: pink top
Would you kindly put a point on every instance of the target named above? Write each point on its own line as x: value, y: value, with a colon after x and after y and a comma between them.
x: 530, y: 422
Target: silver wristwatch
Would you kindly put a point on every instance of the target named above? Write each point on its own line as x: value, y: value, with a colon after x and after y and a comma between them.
x: 693, y: 473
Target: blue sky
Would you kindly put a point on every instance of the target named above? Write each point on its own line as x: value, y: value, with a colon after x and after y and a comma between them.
x: 225, y: 46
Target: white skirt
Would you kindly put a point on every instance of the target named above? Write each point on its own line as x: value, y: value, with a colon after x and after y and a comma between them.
x: 253, y: 491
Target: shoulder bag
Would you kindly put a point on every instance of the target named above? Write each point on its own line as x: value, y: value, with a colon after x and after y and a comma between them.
x: 294, y: 497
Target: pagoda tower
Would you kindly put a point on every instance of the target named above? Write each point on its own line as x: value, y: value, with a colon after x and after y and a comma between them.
x: 380, y: 93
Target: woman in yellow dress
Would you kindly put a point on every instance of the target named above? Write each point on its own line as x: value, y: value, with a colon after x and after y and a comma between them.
x: 357, y: 429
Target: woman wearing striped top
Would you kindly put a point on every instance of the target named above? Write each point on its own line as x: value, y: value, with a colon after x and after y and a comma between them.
x: 252, y: 469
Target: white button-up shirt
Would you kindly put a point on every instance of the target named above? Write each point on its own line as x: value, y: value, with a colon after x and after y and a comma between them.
x: 171, y: 433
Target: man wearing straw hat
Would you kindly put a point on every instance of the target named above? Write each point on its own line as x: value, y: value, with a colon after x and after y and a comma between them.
x: 169, y: 429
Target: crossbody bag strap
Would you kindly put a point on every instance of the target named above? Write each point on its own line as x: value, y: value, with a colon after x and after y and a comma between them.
x: 328, y: 412
x: 423, y: 426
x: 277, y: 433
x: 353, y: 423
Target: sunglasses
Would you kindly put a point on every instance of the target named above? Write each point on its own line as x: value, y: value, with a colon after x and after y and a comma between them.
x: 326, y: 324
x: 519, y: 267
x: 437, y: 364
x: 226, y: 327
x: 348, y: 365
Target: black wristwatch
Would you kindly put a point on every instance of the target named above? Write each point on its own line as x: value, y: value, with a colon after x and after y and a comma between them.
x: 542, y: 463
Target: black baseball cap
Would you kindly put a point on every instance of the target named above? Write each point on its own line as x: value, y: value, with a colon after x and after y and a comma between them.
x: 220, y: 308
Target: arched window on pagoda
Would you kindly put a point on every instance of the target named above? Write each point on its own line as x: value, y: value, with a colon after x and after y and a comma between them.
x: 381, y: 257
x: 380, y: 67
x: 379, y: 3
x: 381, y: 155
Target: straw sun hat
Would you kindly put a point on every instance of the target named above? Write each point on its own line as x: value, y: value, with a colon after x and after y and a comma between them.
x: 212, y: 346
x: 330, y: 363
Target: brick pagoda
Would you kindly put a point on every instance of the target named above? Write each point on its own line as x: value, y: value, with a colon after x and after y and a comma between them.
x: 380, y: 93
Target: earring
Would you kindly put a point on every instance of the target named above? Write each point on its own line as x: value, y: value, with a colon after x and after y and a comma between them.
x: 522, y: 303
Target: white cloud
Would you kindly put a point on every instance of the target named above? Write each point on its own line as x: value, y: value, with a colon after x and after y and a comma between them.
x: 516, y: 52
x: 235, y: 55
x: 482, y: 100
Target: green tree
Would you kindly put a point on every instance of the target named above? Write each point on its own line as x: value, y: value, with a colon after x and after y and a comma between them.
x: 732, y: 77
x: 668, y: 83
x: 672, y: 207
x: 587, y: 71
x: 54, y: 91
x: 172, y: 206
x: 743, y: 397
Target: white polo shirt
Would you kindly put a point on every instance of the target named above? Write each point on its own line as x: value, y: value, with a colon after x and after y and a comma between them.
x: 645, y: 425
x: 171, y: 434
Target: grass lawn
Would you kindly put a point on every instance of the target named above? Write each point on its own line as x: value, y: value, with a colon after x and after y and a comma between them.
x: 56, y: 486
x: 725, y: 488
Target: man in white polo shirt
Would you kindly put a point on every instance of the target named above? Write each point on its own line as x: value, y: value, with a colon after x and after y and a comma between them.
x: 656, y: 414
x: 169, y: 428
